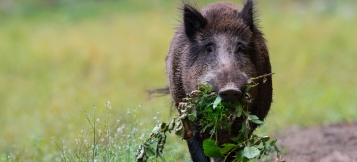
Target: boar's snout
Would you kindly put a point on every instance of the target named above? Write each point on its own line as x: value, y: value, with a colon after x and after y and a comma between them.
x: 230, y: 94
x: 229, y: 83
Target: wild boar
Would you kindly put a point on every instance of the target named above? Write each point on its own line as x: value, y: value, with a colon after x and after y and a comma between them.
x: 223, y: 46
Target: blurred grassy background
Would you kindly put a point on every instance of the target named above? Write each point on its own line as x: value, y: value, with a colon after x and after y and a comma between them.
x: 59, y: 58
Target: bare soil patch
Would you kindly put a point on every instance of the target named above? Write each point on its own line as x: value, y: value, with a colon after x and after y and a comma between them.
x: 328, y: 143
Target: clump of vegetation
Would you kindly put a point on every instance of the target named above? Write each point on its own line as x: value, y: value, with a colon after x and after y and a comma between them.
x: 214, y: 114
x: 104, y: 141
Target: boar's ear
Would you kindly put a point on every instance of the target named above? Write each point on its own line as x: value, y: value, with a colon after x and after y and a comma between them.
x: 247, y: 14
x: 193, y: 21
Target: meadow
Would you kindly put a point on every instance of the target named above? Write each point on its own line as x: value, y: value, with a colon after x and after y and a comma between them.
x: 60, y: 60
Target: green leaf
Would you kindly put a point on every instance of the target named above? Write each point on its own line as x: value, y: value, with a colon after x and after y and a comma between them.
x: 265, y: 138
x: 210, y: 149
x: 276, y: 149
x: 249, y: 86
x: 253, y: 117
x: 191, y: 117
x: 268, y: 148
x: 272, y: 143
x: 217, y: 101
x: 211, y: 104
x: 179, y: 128
x: 257, y: 121
x: 227, y: 147
x: 227, y: 104
x: 243, y: 129
x: 239, y: 110
x: 251, y: 152
x: 150, y: 151
x: 239, y: 155
x: 235, y: 139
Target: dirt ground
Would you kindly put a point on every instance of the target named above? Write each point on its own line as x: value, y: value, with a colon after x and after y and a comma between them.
x: 328, y: 143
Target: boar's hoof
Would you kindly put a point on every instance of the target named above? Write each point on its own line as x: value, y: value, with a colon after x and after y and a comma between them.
x: 230, y: 94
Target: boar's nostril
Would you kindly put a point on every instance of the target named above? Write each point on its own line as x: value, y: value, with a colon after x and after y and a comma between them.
x: 230, y: 94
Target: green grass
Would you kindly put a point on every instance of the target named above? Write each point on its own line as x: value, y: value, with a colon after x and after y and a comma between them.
x: 106, y: 141
x: 56, y: 62
x: 313, y: 56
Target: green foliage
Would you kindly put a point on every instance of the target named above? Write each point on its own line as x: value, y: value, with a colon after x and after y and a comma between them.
x: 210, y: 110
x: 182, y: 127
x: 153, y: 146
x: 213, y: 115
x: 210, y: 148
x: 218, y: 116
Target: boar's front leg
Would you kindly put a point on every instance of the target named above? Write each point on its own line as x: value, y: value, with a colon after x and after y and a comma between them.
x: 196, y: 150
x: 195, y: 146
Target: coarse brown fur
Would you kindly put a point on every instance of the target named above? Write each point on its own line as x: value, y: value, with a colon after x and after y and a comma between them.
x: 224, y: 47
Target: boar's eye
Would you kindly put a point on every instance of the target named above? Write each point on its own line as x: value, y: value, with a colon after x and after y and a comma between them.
x: 240, y: 49
x: 209, y: 49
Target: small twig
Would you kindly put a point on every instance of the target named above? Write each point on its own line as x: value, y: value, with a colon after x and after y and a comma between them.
x: 262, y: 76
